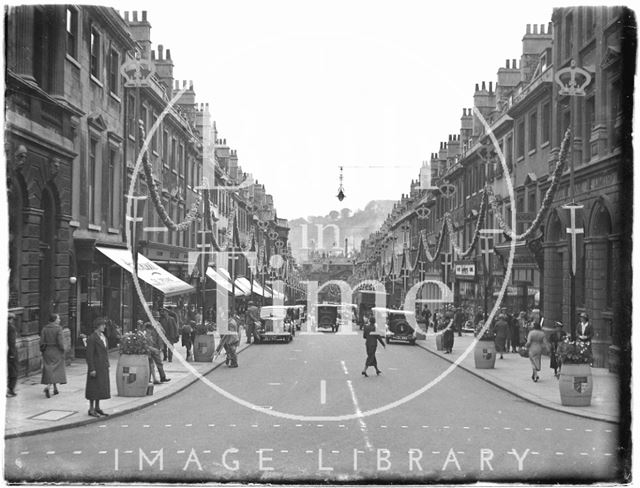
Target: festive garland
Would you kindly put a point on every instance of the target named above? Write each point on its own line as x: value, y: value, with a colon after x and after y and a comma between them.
x: 193, y: 214
x: 546, y: 202
x: 209, y: 220
x: 476, y: 232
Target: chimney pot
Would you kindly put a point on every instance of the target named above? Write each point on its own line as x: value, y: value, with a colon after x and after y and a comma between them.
x: 126, y: 16
x: 450, y: 136
x: 477, y: 89
x: 160, y: 51
x: 535, y: 28
x: 491, y: 87
x: 549, y: 28
x: 168, y: 54
x: 144, y: 16
x: 184, y: 83
x: 507, y: 66
x: 528, y: 28
x: 464, y: 112
x: 541, y: 28
x: 484, y: 87
x: 135, y: 16
x: 153, y: 55
x: 190, y: 84
x: 514, y: 64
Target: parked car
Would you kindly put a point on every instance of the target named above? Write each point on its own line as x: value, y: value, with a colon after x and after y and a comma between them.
x: 397, y: 327
x: 274, y: 325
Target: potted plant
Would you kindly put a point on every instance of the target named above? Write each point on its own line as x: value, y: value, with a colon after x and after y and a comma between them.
x: 576, y: 382
x: 484, y: 353
x: 204, y: 345
x: 132, y: 374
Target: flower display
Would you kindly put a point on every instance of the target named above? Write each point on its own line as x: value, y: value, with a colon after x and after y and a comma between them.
x: 134, y: 343
x: 203, y: 329
x: 575, y: 352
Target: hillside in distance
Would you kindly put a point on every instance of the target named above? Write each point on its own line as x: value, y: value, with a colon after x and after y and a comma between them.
x: 327, y: 233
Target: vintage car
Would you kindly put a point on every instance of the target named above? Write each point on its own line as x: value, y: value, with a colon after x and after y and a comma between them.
x: 333, y: 315
x: 274, y: 325
x: 397, y: 327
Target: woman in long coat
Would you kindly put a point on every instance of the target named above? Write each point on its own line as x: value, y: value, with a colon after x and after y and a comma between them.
x: 52, y: 347
x: 97, y: 356
x: 534, y: 344
x: 371, y: 343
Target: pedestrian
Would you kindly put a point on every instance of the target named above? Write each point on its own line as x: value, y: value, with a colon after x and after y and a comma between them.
x: 185, y: 333
x: 426, y: 314
x: 458, y: 320
x: 523, y: 328
x: 585, y: 329
x: 501, y: 328
x: 154, y: 345
x: 252, y: 320
x: 535, y: 343
x: 555, y: 338
x: 229, y: 342
x: 448, y: 335
x: 372, y: 337
x: 52, y: 348
x: 170, y: 329
x: 97, y: 356
x: 12, y: 356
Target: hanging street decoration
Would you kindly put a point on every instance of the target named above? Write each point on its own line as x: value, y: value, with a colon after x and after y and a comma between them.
x: 341, y: 196
x: 423, y: 212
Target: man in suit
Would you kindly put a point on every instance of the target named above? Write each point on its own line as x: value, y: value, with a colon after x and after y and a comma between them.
x: 170, y: 329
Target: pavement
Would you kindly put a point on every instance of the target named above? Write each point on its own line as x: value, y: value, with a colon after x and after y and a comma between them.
x: 513, y: 374
x: 31, y: 413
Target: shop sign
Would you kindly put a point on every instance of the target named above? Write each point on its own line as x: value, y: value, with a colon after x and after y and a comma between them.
x: 466, y: 270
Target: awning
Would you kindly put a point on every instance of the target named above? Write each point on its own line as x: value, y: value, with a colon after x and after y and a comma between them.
x: 259, y: 290
x: 221, y: 280
x: 240, y: 290
x: 274, y: 293
x: 244, y: 285
x: 148, y: 271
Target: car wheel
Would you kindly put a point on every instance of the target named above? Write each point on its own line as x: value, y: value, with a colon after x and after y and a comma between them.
x: 413, y: 343
x: 387, y: 340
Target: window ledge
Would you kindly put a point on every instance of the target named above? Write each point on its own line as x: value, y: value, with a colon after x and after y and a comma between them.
x: 115, y: 97
x: 532, y: 152
x: 111, y: 230
x: 520, y: 159
x: 131, y: 138
x: 544, y: 144
x: 94, y: 227
x: 96, y: 81
x: 74, y: 223
x: 73, y: 61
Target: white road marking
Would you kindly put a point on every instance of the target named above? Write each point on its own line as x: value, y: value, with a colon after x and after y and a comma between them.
x: 559, y: 453
x: 102, y: 452
x: 507, y: 428
x: 460, y: 452
x: 188, y: 425
x: 466, y: 427
x: 284, y: 451
x: 588, y: 430
x: 584, y: 453
x: 486, y: 428
x: 308, y: 451
x: 435, y: 452
x: 298, y: 425
x: 207, y: 451
x: 50, y: 452
x: 341, y: 426
x: 323, y: 392
x: 568, y: 429
x: 444, y: 427
x: 276, y: 425
x: 167, y: 425
x: 320, y: 425
x: 232, y: 425
x: 548, y: 428
x: 392, y: 369
x: 77, y: 452
x: 335, y: 452
x: 425, y: 426
x: 124, y: 426
x: 24, y: 453
x: 254, y: 425
x: 344, y: 367
x: 212, y: 425
x: 128, y: 452
x: 527, y: 428
x: 102, y: 426
x: 535, y: 452
x: 181, y: 451
x: 145, y: 426
x: 608, y: 430
x: 608, y: 454
x: 274, y: 384
x: 383, y: 426
x: 363, y: 425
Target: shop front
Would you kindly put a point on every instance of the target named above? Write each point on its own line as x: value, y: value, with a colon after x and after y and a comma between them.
x: 468, y: 291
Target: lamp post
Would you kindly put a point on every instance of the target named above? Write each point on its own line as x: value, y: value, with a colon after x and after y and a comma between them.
x: 572, y: 81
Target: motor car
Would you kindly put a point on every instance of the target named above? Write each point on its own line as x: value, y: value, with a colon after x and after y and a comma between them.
x: 274, y: 325
x: 397, y: 327
x: 328, y: 316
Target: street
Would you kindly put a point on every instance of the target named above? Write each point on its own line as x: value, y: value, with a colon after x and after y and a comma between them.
x: 461, y: 429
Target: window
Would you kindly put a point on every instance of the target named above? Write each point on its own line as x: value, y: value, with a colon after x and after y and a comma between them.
x: 143, y: 117
x: 95, y: 53
x: 181, y: 160
x: 591, y: 23
x: 114, y: 189
x: 174, y: 150
x: 131, y: 112
x: 533, y: 131
x: 91, y: 177
x: 532, y: 201
x: 72, y: 32
x: 165, y: 148
x: 520, y: 139
x: 568, y: 36
x: 114, y: 70
x: 566, y: 121
x: 508, y: 156
x: 43, y: 57
x: 589, y: 123
x: 616, y: 108
x: 546, y: 122
x: 154, y: 137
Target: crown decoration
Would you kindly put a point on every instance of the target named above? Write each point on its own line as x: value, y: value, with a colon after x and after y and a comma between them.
x: 137, y: 71
x: 573, y: 80
x: 447, y: 189
x: 423, y: 212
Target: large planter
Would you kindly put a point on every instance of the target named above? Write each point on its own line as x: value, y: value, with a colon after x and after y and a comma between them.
x: 576, y: 385
x: 132, y: 375
x: 203, y: 348
x: 439, y: 343
x: 484, y: 354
